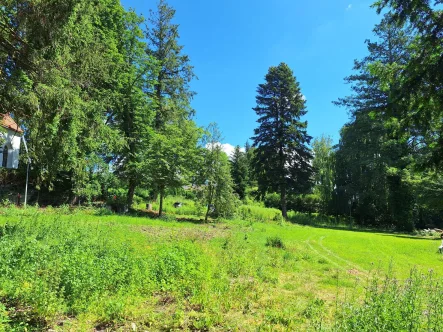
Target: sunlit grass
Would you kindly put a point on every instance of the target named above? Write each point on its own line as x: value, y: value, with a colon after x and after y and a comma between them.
x: 82, y: 270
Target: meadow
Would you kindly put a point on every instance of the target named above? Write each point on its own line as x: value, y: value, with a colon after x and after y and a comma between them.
x: 80, y: 270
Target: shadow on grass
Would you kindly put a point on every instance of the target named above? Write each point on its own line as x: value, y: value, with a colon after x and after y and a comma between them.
x: 383, y: 232
x: 166, y: 217
x: 413, y: 237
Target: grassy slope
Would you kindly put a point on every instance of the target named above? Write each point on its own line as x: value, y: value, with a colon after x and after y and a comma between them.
x: 248, y: 284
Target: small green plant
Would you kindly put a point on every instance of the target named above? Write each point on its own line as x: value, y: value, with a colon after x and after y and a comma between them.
x: 275, y: 242
x: 4, y: 318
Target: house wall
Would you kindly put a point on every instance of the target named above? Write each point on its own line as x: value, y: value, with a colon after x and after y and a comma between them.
x: 12, y: 140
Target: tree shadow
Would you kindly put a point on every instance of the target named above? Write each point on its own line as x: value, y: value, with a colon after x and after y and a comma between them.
x: 412, y: 237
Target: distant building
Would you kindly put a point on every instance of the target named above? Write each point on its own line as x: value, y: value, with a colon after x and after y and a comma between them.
x: 10, y: 137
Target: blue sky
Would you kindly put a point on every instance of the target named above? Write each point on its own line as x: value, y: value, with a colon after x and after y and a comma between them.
x: 233, y: 43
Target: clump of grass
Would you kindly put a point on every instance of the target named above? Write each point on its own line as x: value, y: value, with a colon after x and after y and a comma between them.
x: 275, y: 242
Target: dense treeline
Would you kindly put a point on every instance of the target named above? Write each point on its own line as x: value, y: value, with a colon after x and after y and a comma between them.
x: 386, y: 169
x: 387, y: 165
x: 104, y: 97
x: 104, y: 101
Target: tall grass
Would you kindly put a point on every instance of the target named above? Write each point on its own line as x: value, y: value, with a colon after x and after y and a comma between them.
x: 54, y: 268
x: 258, y: 214
x: 51, y: 267
x: 390, y: 304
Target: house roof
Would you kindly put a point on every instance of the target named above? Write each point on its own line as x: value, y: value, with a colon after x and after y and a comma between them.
x: 7, y: 122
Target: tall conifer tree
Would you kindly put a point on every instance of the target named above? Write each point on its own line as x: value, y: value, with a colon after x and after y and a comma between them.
x: 171, y: 91
x: 282, y: 158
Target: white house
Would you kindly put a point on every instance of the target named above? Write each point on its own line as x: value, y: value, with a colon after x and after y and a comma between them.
x: 10, y: 137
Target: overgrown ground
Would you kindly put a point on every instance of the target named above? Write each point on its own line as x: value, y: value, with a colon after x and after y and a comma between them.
x: 80, y: 271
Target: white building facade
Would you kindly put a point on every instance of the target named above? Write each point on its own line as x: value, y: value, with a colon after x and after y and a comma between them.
x: 10, y: 139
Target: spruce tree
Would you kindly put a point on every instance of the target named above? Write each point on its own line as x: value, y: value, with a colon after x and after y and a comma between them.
x: 171, y: 92
x: 282, y: 158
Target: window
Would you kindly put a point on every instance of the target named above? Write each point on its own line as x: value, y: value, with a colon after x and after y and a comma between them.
x: 5, y: 156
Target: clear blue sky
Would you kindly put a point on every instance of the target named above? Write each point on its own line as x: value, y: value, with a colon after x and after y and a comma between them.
x: 232, y: 43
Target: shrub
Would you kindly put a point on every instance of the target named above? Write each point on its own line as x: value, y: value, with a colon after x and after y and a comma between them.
x: 275, y: 242
x: 272, y: 200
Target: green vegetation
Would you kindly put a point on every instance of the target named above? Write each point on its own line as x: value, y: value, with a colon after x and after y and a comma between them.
x: 279, y: 237
x: 76, y: 269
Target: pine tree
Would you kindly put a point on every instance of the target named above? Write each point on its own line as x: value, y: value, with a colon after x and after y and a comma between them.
x: 282, y: 158
x: 239, y: 171
x: 171, y: 92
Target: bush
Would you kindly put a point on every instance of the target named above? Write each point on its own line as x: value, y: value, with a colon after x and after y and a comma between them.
x: 272, y: 200
x: 304, y: 203
x: 275, y: 242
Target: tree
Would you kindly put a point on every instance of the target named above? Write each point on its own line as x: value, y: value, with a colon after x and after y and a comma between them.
x: 133, y: 114
x: 324, y: 170
x: 171, y: 157
x: 250, y: 152
x: 282, y: 158
x: 218, y: 185
x: 373, y: 153
x: 239, y: 171
x: 171, y: 92
x: 59, y: 81
x: 417, y: 84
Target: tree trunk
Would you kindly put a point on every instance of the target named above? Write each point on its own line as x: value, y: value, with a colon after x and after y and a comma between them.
x: 211, y: 194
x: 284, y: 211
x: 131, y: 191
x: 207, y: 214
x: 160, y: 210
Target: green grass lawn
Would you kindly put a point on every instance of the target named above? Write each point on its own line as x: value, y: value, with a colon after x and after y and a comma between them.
x: 81, y: 271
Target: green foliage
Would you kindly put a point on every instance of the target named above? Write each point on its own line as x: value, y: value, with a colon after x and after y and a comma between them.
x: 58, y: 80
x: 72, y: 267
x: 275, y: 242
x: 171, y: 157
x: 282, y: 157
x: 239, y: 172
x: 272, y: 200
x: 258, y: 214
x: 305, y: 203
x: 417, y: 81
x: 390, y: 304
x: 373, y: 155
x: 171, y: 92
x: 52, y: 265
x: 215, y: 177
x: 324, y: 171
x: 179, y: 267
